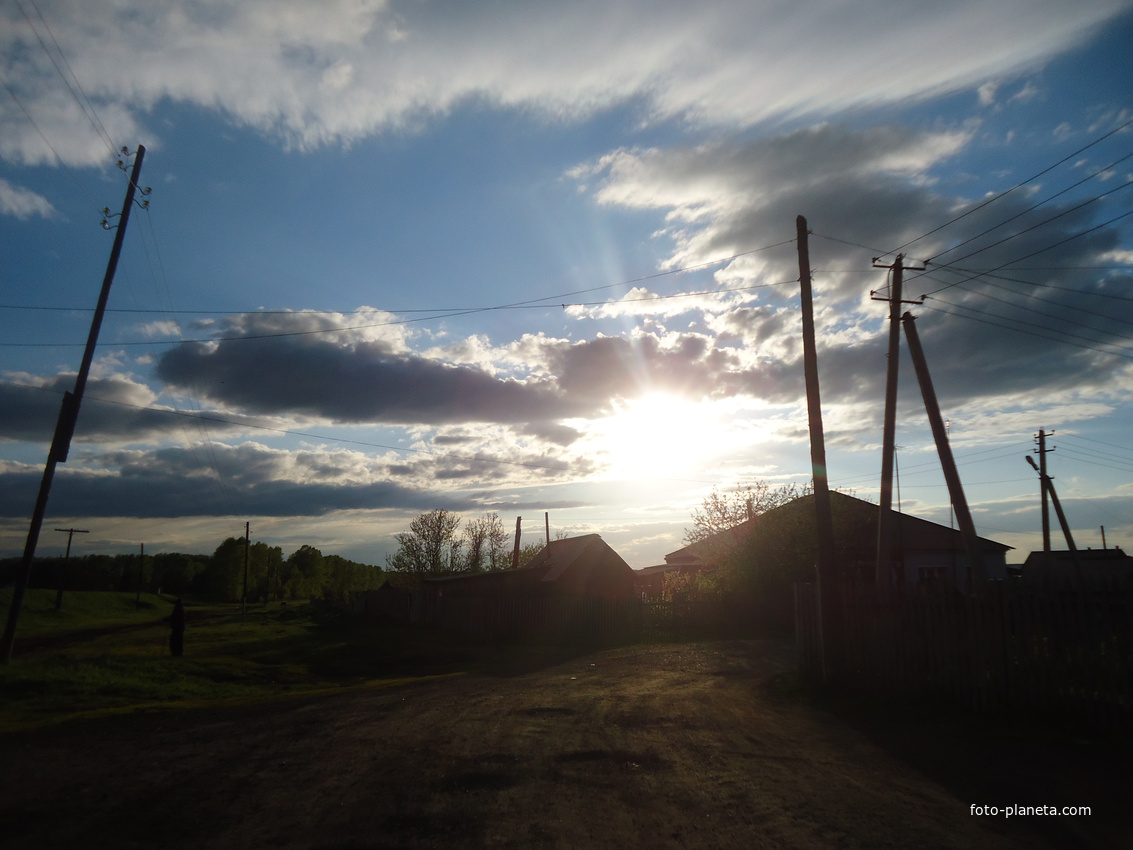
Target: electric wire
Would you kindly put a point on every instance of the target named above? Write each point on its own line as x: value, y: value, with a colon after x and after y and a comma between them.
x: 990, y: 320
x: 1014, y: 188
x: 435, y: 315
x: 1034, y: 207
x: 1038, y: 251
x: 83, y: 101
x: 1036, y: 226
x: 294, y: 433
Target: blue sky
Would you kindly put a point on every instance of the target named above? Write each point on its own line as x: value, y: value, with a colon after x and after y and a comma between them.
x: 528, y: 257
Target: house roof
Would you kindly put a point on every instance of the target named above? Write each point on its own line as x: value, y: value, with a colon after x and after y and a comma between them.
x: 552, y: 561
x: 853, y: 515
x: 1113, y: 556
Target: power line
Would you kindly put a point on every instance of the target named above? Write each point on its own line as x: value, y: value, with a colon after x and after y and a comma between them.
x: 988, y: 319
x: 513, y: 305
x: 1017, y: 186
x: 1034, y: 207
x: 294, y: 433
x: 1040, y: 250
x: 439, y: 314
x: 83, y: 101
x: 1036, y: 226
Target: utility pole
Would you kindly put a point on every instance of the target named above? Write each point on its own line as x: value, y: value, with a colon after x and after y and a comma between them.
x: 71, y: 532
x: 1042, y: 452
x: 141, y: 574
x: 828, y: 584
x: 547, y: 523
x: 884, y: 564
x: 515, y: 551
x: 976, y: 566
x: 1048, y: 487
x: 68, y: 414
x: 247, y: 543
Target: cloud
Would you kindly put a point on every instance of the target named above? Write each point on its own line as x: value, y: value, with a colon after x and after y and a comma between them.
x: 114, y: 408
x: 320, y: 375
x: 347, y: 69
x: 23, y: 203
x: 867, y: 187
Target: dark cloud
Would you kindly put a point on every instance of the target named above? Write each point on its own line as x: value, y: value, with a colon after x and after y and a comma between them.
x: 113, y: 409
x: 352, y: 382
x: 362, y: 381
x: 1020, y: 314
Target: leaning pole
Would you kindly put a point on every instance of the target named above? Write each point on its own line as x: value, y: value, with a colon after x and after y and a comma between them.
x: 68, y: 414
x: 828, y: 591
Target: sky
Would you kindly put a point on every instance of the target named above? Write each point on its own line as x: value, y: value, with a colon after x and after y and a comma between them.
x: 539, y: 258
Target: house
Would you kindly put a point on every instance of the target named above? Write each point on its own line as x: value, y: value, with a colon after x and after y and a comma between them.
x: 928, y: 553
x: 567, y: 576
x: 1095, y: 564
x: 696, y: 558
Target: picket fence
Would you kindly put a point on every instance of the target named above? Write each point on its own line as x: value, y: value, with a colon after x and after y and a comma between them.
x: 1045, y: 648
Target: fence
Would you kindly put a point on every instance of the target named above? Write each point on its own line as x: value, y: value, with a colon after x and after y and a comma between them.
x: 503, y: 617
x: 1054, y: 649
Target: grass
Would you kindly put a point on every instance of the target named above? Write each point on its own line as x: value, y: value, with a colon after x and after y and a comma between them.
x: 106, y: 654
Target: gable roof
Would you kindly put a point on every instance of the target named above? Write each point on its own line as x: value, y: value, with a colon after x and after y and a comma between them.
x: 854, y: 517
x: 552, y: 561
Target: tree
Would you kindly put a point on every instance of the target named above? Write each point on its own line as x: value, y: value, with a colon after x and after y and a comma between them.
x: 306, y: 578
x: 430, y: 546
x: 222, y: 579
x: 722, y: 511
x: 485, y: 544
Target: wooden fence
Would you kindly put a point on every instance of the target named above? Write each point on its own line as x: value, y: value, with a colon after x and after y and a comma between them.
x: 1054, y: 649
x: 504, y: 618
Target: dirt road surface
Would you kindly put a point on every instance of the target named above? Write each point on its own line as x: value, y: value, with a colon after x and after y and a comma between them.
x: 672, y: 746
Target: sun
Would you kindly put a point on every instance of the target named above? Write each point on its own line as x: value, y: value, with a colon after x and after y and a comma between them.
x: 657, y: 435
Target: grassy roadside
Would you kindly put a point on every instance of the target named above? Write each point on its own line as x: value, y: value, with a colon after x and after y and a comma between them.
x: 105, y: 653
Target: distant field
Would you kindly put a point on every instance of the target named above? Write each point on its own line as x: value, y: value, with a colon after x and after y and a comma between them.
x: 107, y: 653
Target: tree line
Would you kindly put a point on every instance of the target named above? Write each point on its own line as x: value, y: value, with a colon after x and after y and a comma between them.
x: 435, y: 544
x: 305, y: 574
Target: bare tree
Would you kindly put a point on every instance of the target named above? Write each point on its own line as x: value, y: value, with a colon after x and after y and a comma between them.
x: 485, y: 544
x: 722, y: 511
x: 430, y: 546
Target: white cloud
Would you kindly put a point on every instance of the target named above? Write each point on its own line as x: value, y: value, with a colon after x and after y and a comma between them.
x: 340, y: 70
x: 23, y: 203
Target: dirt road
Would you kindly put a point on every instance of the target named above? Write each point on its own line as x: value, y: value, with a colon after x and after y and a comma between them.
x: 675, y: 746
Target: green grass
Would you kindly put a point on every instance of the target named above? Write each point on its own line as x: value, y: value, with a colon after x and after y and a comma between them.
x: 105, y: 654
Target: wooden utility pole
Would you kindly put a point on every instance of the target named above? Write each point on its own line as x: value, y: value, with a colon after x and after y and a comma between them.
x: 71, y: 532
x: 1042, y: 451
x: 247, y: 543
x: 977, y: 570
x: 515, y: 551
x: 828, y: 585
x: 547, y: 523
x: 68, y: 414
x: 1048, y: 487
x: 885, y: 520
x: 141, y: 574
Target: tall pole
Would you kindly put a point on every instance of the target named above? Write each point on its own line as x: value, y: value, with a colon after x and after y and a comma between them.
x: 68, y: 414
x: 947, y: 462
x: 141, y: 573
x: 547, y: 523
x: 71, y: 532
x: 515, y: 551
x: 1042, y: 478
x: 247, y: 543
x: 1048, y: 487
x: 827, y: 570
x: 884, y: 565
